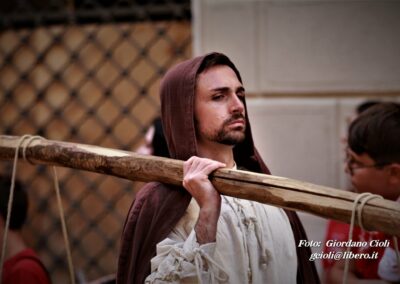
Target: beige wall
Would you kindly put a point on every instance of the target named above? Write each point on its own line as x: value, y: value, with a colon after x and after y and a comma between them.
x: 302, y: 45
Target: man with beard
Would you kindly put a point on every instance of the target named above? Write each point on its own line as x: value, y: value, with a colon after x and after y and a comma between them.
x: 192, y: 233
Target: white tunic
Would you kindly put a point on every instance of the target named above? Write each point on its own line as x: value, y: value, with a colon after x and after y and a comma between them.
x: 255, y: 244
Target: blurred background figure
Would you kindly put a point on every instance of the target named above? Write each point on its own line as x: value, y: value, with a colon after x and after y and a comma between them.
x: 372, y: 162
x: 337, y: 230
x: 154, y: 141
x: 22, y: 264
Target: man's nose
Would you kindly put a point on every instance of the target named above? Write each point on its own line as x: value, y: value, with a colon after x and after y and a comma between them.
x: 237, y: 104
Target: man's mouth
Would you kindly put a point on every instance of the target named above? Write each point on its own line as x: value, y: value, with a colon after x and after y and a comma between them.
x: 237, y: 122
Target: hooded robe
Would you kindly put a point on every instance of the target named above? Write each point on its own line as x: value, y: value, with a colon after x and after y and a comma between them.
x: 158, y: 207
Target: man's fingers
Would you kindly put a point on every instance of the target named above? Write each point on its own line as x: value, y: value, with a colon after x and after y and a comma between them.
x: 197, y: 164
x: 212, y: 167
x: 204, y: 166
x: 188, y: 164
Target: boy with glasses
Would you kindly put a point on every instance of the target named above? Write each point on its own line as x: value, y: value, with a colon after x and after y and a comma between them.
x: 373, y: 163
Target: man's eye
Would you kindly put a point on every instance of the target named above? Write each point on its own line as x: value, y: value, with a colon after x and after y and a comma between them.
x: 217, y: 97
x: 241, y: 95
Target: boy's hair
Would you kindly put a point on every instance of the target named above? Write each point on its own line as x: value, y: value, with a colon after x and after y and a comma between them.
x: 366, y: 105
x: 376, y: 132
x: 19, y: 205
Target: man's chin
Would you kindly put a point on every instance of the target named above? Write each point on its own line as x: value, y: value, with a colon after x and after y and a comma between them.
x: 233, y: 140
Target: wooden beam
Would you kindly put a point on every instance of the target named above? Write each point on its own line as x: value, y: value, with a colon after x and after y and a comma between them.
x: 378, y: 214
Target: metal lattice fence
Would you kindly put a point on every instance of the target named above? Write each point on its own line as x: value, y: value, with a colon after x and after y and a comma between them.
x: 87, y: 72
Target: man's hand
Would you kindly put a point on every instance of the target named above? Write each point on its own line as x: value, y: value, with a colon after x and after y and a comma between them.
x: 196, y: 182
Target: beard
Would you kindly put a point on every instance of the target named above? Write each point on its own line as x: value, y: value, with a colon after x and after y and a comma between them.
x: 231, y: 138
x: 228, y: 136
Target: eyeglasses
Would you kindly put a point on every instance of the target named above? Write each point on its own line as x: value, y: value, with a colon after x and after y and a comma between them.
x: 352, y: 164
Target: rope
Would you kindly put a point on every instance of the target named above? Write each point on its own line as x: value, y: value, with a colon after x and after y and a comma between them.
x: 198, y: 261
x: 9, y: 205
x: 59, y: 201
x: 366, y: 196
x: 64, y: 227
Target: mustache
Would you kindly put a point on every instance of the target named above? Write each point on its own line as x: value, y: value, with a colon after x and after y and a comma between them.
x: 235, y: 117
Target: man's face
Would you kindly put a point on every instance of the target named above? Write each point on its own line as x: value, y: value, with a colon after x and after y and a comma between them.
x: 219, y: 108
x: 367, y: 176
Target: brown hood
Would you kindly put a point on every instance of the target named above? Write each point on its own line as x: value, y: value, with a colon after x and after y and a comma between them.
x: 177, y: 109
x: 158, y: 207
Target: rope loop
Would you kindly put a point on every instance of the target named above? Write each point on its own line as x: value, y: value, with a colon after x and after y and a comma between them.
x: 363, y: 198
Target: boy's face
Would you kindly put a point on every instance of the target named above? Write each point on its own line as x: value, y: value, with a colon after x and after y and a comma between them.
x: 368, y: 176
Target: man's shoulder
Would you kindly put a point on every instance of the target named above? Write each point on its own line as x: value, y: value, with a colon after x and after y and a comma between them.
x: 156, y: 193
x: 152, y: 189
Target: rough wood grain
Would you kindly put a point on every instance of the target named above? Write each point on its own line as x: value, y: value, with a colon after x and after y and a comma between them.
x: 381, y: 215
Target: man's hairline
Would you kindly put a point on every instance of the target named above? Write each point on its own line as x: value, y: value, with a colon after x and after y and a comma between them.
x: 207, y: 69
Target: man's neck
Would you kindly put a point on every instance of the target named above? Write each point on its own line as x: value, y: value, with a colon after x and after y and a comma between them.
x: 218, y: 152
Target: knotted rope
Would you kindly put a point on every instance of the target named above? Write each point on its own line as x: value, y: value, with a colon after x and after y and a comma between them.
x: 357, y: 208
